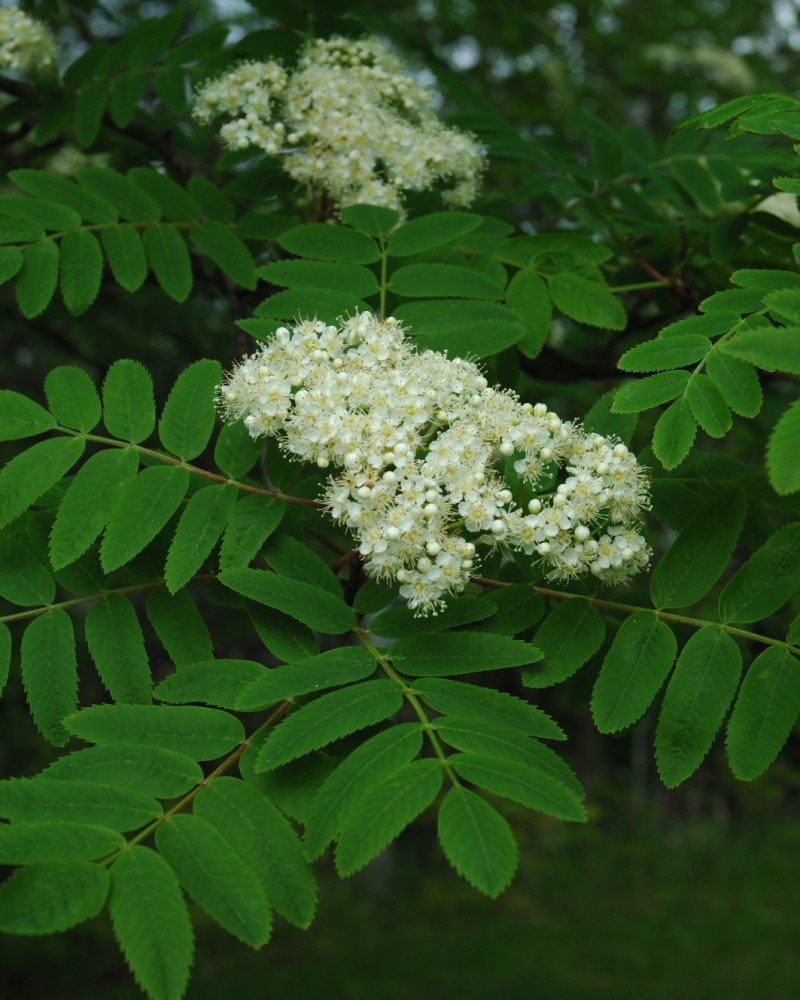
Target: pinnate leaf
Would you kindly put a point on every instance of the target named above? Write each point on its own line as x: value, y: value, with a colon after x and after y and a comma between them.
x: 72, y: 398
x: 666, y: 353
x: 28, y: 843
x: 52, y: 896
x: 20, y: 417
x: 766, y: 581
x: 151, y: 922
x: 737, y: 381
x: 116, y: 644
x: 252, y: 521
x: 782, y: 460
x: 42, y: 799
x: 708, y: 405
x: 125, y: 255
x: 188, y: 418
x: 307, y: 604
x: 769, y: 347
x: 586, y: 301
x: 210, y: 682
x: 178, y: 624
x: 477, y: 841
x: 324, y: 242
x: 202, y: 522
x: 633, y: 671
x: 648, y: 392
x: 169, y: 260
x: 164, y: 774
x: 429, y: 231
x: 459, y: 653
x: 28, y: 475
x: 227, y: 251
x: 37, y: 278
x: 50, y: 673
x: 335, y: 666
x: 568, y: 637
x: 674, y: 434
x: 129, y: 411
x: 81, y: 270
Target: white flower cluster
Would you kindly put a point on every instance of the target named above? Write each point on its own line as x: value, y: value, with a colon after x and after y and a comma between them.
x: 25, y: 43
x: 349, y: 120
x: 417, y: 438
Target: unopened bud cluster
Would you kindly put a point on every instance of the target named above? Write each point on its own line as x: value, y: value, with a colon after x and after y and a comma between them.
x: 26, y: 44
x: 349, y: 120
x: 417, y: 439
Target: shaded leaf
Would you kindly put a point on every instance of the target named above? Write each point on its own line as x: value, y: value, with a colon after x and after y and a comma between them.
x: 51, y: 896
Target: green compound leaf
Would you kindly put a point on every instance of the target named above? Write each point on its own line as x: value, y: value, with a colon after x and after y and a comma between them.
x: 52, y: 187
x: 27, y: 476
x: 568, y: 637
x: 176, y: 203
x: 202, y: 522
x: 189, y: 414
x: 129, y: 411
x: 648, y: 392
x: 674, y: 434
x: 37, y: 278
x: 41, y: 800
x: 586, y: 301
x: 150, y: 501
x: 72, y: 398
x: 28, y: 843
x: 700, y: 553
x: 81, y: 270
x: 90, y: 501
x: 235, y: 452
x: 698, y: 695
x: 443, y: 281
x: 375, y: 760
x: 210, y: 682
x: 349, y: 279
x: 400, y: 623
x: 131, y: 201
x: 765, y: 711
x: 324, y: 242
x: 200, y: 733
x: 256, y: 830
x: 519, y: 782
x: 151, y: 922
x: 477, y: 841
x: 307, y: 604
x: 179, y: 626
x: 476, y: 329
x: 20, y: 417
x: 125, y: 255
x: 329, y: 718
x: 516, y: 608
x: 90, y: 104
x: 430, y: 231
x: 216, y: 877
x: 164, y: 774
x: 52, y: 896
x: 782, y: 464
x: 768, y: 579
x: 663, y: 354
x: 252, y: 521
x: 459, y: 653
x: 768, y: 347
x: 23, y: 578
x: 227, y: 251
x: 11, y: 260
x: 384, y: 812
x: 290, y: 557
x: 374, y: 220
x: 504, y: 710
x: 737, y: 381
x: 708, y: 405
x: 169, y: 260
x: 698, y: 182
x: 116, y: 644
x: 633, y: 671
x: 50, y: 673
x: 47, y: 214
x: 328, y: 669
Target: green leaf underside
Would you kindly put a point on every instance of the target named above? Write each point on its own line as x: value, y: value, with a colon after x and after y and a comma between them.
x: 50, y: 673
x: 151, y: 922
x: 201, y: 524
x: 216, y: 877
x: 116, y: 644
x: 150, y: 501
x: 201, y: 733
x: 72, y: 398
x: 516, y: 781
x: 633, y: 671
x: 328, y: 669
x: 457, y: 698
x: 698, y: 695
x: 569, y: 636
x: 28, y: 475
x: 52, y: 896
x: 371, y: 763
x: 43, y: 799
x: 255, y: 829
x: 189, y: 413
x: 384, y: 812
x: 700, y: 553
x: 769, y: 578
x: 129, y: 411
x: 90, y: 501
x: 459, y: 653
x: 161, y: 773
x: 765, y: 712
x: 29, y: 843
x: 328, y: 718
x: 309, y: 605
x: 477, y: 841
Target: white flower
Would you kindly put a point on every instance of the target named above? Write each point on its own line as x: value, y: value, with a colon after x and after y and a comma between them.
x: 416, y: 438
x: 25, y: 44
